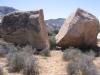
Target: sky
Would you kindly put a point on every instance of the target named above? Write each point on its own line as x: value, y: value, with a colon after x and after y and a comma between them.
x: 55, y: 8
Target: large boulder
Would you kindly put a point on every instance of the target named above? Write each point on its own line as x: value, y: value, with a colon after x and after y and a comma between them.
x: 23, y: 28
x: 79, y: 30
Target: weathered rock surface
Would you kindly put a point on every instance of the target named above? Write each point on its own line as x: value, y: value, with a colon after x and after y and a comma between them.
x: 80, y: 29
x: 25, y: 28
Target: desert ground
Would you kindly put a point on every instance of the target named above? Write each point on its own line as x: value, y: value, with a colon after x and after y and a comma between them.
x: 52, y: 65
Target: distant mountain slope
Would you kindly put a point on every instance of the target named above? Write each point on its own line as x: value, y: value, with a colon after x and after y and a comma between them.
x: 54, y: 23
x: 5, y: 10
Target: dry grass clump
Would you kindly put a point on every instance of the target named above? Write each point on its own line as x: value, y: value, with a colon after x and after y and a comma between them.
x: 5, y: 48
x: 16, y: 61
x: 1, y: 70
x: 71, y: 53
x: 82, y: 66
x: 22, y: 61
x: 31, y: 67
x: 80, y: 63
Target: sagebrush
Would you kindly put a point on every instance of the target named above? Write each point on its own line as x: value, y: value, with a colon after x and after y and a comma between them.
x: 17, y: 60
x: 1, y: 70
x: 81, y: 64
x: 31, y: 66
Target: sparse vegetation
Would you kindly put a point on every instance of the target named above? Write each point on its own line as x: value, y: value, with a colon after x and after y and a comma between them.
x: 31, y: 67
x: 1, y: 70
x: 53, y: 32
x: 80, y: 64
x: 45, y: 52
x: 29, y: 49
x: 52, y: 42
x: 91, y: 53
x: 16, y: 60
x: 52, y: 39
x: 5, y: 48
x: 24, y: 49
x: 71, y: 53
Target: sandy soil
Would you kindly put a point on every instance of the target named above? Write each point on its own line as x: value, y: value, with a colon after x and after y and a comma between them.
x: 3, y: 62
x: 97, y: 63
x: 53, y: 65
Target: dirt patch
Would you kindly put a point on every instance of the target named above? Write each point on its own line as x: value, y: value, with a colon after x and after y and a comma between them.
x: 53, y: 65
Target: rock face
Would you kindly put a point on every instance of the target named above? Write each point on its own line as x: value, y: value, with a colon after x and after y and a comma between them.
x: 80, y: 29
x: 25, y: 28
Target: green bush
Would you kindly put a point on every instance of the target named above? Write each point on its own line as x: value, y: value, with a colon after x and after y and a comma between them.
x: 52, y: 39
x: 53, y: 32
x: 52, y: 42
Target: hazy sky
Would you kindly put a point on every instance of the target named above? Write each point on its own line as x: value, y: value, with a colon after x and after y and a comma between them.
x: 55, y: 8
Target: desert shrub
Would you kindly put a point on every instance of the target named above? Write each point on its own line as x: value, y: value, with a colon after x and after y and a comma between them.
x: 5, y: 48
x: 45, y: 52
x: 31, y: 67
x: 32, y: 50
x: 50, y: 33
x: 1, y: 70
x: 52, y: 42
x: 71, y: 53
x: 16, y: 60
x: 29, y: 49
x: 82, y: 66
x: 53, y: 32
x: 91, y: 53
x: 21, y: 60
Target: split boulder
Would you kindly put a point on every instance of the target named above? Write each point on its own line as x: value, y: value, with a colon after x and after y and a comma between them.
x: 80, y: 29
x: 25, y: 28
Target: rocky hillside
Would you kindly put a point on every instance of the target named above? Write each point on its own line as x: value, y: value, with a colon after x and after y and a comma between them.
x: 54, y: 23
